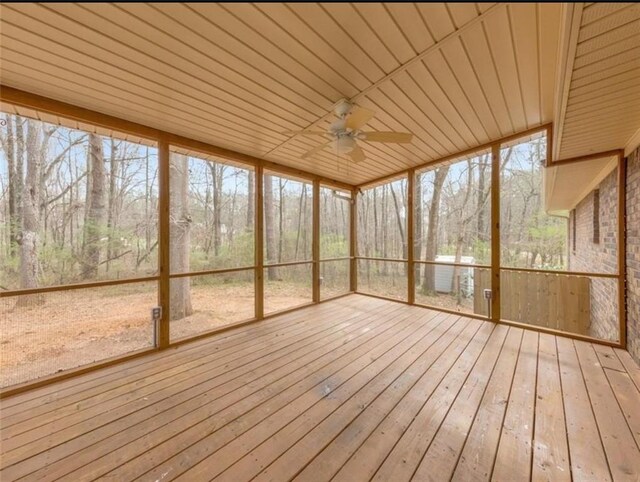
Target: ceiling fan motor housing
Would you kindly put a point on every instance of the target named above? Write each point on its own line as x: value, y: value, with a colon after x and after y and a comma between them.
x: 342, y: 108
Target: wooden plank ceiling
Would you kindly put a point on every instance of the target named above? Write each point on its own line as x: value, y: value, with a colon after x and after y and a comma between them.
x: 237, y: 75
x: 602, y: 100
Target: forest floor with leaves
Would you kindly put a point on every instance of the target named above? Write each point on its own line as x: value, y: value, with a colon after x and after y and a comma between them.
x: 68, y: 329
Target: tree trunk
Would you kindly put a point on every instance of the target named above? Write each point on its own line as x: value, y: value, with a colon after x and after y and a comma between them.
x: 384, y: 232
x: 301, y: 212
x: 376, y: 245
x: 272, y: 273
x: 403, y: 238
x: 217, y: 171
x: 15, y: 181
x: 179, y: 236
x: 113, y: 176
x: 417, y: 224
x: 429, y: 280
x: 480, y: 221
x: 280, y: 219
x: 95, y: 219
x: 28, y: 238
x: 250, y: 202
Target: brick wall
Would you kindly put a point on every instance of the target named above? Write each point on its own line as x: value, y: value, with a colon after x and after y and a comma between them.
x: 600, y: 256
x: 633, y: 254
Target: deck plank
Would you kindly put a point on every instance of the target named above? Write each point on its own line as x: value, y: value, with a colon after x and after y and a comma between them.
x: 619, y: 444
x: 479, y: 452
x: 411, y: 451
x: 241, y: 459
x: 376, y: 423
x: 588, y: 460
x: 632, y: 369
x: 357, y: 388
x: 625, y: 393
x: 550, y: 447
x: 306, y: 449
x: 513, y: 459
x: 402, y: 433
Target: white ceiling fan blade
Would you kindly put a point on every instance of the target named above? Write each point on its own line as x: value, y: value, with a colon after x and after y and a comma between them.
x: 358, y: 117
x: 316, y: 149
x: 304, y: 133
x: 357, y: 154
x: 399, y: 137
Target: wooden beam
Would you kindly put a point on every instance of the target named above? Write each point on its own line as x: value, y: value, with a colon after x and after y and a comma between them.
x: 69, y: 111
x: 315, y: 243
x: 391, y: 260
x: 411, y: 283
x: 587, y: 157
x: 457, y: 155
x: 211, y: 271
x: 495, y: 232
x: 259, y: 243
x: 76, y: 286
x: 164, y: 250
x: 560, y: 272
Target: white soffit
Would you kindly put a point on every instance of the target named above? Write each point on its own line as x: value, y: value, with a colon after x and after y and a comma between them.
x: 566, y: 185
x: 601, y: 94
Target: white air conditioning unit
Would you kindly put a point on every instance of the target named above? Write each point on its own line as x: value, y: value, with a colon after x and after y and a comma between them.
x: 444, y: 274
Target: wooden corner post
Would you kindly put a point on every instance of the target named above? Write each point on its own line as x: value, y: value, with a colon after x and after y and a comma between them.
x: 259, y: 243
x: 353, y: 242
x: 411, y: 282
x: 495, y: 232
x: 315, y: 245
x: 164, y: 255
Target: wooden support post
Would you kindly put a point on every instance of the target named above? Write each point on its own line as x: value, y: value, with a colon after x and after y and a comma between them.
x: 164, y: 255
x: 259, y: 243
x: 411, y: 282
x: 315, y: 245
x: 622, y: 248
x: 549, y: 155
x: 353, y: 242
x: 495, y: 232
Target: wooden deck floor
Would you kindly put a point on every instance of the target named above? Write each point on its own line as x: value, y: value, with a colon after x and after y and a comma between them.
x: 353, y: 389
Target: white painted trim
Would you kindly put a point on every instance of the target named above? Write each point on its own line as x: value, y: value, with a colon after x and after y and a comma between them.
x: 572, y: 13
x: 632, y: 144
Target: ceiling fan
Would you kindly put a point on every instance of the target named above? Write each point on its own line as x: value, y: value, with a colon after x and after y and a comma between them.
x: 345, y: 132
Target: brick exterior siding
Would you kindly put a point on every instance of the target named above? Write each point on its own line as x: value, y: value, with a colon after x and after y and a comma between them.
x: 633, y: 254
x: 598, y: 255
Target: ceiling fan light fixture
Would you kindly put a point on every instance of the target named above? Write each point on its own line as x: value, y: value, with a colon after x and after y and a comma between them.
x: 345, y: 144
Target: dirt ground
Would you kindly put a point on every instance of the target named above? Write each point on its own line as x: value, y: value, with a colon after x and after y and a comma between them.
x: 74, y: 328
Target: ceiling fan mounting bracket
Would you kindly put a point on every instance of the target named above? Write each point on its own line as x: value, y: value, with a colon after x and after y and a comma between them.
x: 342, y: 108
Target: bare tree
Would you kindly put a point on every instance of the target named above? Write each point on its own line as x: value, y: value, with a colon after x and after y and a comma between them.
x: 272, y: 273
x: 179, y: 236
x: 429, y: 279
x: 96, y: 208
x: 250, y: 201
x: 13, y: 145
x: 29, y: 235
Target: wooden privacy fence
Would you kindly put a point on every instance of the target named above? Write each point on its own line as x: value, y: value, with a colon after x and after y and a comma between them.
x: 558, y: 301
